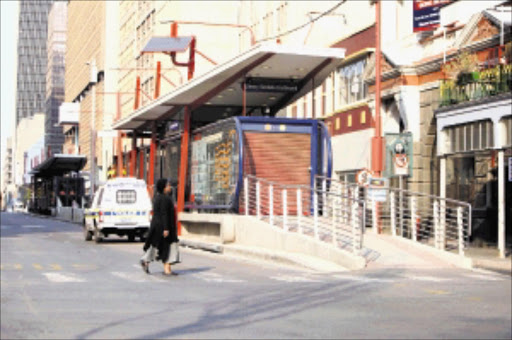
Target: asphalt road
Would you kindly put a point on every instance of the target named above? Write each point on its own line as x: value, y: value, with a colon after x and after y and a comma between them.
x: 55, y: 285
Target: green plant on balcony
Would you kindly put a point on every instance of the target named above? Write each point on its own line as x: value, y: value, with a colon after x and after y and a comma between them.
x: 463, y: 68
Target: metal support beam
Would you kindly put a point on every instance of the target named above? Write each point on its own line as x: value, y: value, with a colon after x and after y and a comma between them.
x: 133, y: 155
x: 183, y: 164
x: 152, y: 149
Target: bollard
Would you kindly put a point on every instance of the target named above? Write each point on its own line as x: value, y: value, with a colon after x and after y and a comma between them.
x: 392, y: 213
x: 413, y: 219
x: 246, y: 194
x: 285, y: 211
x: 460, y: 229
x: 258, y: 199
x: 271, y: 207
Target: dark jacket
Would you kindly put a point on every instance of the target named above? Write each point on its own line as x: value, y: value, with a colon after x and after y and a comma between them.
x: 163, y: 219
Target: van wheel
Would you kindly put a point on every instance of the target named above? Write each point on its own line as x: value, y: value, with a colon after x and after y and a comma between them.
x: 87, y: 234
x: 98, y: 236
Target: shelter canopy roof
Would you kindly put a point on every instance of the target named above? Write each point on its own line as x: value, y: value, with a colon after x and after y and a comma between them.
x: 59, y: 165
x: 294, y: 71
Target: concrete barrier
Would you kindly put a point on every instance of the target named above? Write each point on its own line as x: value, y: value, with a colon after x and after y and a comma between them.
x: 69, y: 214
x: 249, y: 231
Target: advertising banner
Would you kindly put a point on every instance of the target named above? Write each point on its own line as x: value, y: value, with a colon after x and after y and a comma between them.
x: 426, y: 14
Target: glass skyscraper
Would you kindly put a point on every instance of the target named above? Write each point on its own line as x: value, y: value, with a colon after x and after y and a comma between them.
x: 32, y: 58
x: 57, y: 34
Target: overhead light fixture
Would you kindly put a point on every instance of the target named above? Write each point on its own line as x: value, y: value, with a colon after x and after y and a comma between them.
x: 300, y: 69
x: 208, y: 103
x: 272, y: 98
x: 295, y: 77
x: 220, y: 96
x: 230, y: 89
x: 266, y: 67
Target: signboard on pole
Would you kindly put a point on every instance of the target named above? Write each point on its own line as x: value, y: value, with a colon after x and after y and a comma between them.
x: 426, y: 14
x: 399, y: 151
x: 377, y: 189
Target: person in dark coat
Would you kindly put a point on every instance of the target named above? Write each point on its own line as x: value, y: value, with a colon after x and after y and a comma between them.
x: 162, y: 231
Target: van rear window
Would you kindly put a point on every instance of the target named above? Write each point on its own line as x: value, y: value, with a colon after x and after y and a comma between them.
x: 126, y: 196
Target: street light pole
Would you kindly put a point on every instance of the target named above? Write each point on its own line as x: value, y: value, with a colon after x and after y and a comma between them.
x: 93, y: 80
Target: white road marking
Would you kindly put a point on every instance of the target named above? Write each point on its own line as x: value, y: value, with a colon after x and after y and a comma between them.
x: 289, y: 278
x: 362, y: 278
x: 30, y: 226
x: 213, y: 277
x: 426, y: 278
x: 485, y: 277
x: 130, y: 276
x: 63, y: 277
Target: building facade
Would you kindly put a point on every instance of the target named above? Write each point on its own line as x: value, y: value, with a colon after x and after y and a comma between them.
x: 56, y: 47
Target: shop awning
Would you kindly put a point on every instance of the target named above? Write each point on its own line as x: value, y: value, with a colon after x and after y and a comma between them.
x: 275, y: 74
x: 59, y: 165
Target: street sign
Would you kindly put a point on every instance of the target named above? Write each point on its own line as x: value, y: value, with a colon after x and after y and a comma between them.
x: 401, y: 164
x: 362, y: 177
x: 377, y: 189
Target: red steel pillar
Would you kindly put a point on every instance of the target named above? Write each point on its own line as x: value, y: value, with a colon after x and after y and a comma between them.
x: 133, y: 155
x: 158, y: 79
x: 377, y: 145
x: 152, y: 149
x: 183, y: 165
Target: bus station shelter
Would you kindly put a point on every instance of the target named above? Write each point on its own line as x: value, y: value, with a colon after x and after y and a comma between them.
x: 259, y: 82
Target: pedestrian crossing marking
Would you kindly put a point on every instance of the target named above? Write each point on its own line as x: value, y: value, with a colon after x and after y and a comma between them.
x: 485, y: 277
x: 437, y: 292
x: 289, y: 278
x: 55, y: 267
x: 37, y: 266
x: 213, y: 277
x: 63, y: 277
x: 426, y: 278
x: 17, y: 266
x: 129, y: 276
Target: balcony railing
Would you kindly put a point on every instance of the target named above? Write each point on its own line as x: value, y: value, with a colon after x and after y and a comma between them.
x: 476, y: 85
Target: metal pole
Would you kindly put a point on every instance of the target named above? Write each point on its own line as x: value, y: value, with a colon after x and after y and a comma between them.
x: 299, y: 209
x: 315, y: 214
x: 285, y: 211
x: 246, y: 194
x: 93, y: 128
x: 271, y: 203
x: 460, y: 229
x: 393, y: 213
x: 501, y: 203
x: 401, y: 206
x: 413, y: 219
x: 183, y: 164
x: 258, y: 198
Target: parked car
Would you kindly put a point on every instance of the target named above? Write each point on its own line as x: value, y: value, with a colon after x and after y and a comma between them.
x: 18, y: 206
x: 121, y: 206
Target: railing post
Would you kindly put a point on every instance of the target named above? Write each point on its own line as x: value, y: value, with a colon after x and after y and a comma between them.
x: 315, y: 214
x: 258, y: 198
x: 374, y: 217
x: 392, y: 212
x: 271, y: 203
x: 355, y: 234
x: 285, y: 211
x: 413, y: 219
x: 299, y: 209
x: 246, y: 194
x: 333, y: 219
x: 436, y: 224
x: 442, y: 225
x: 324, y: 197
x: 460, y: 230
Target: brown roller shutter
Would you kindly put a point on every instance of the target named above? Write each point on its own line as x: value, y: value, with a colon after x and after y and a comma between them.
x: 283, y: 158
